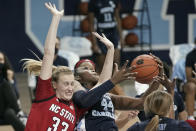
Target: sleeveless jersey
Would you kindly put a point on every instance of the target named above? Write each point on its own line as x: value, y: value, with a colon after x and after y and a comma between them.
x: 104, y: 12
x: 48, y: 113
x: 165, y: 124
x: 101, y: 116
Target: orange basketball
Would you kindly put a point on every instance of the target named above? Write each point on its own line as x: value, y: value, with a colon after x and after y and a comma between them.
x: 146, y: 67
x: 85, y: 25
x: 83, y: 8
x: 129, y: 22
x: 131, y: 39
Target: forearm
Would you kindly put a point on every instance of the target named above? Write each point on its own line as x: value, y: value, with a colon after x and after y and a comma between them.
x: 91, y: 20
x: 87, y: 99
x: 152, y: 87
x: 119, y: 27
x: 121, y: 122
x: 49, y: 48
x: 51, y: 36
x: 106, y: 72
x: 126, y: 103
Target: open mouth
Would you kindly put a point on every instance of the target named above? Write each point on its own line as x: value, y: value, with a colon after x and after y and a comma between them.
x: 69, y: 93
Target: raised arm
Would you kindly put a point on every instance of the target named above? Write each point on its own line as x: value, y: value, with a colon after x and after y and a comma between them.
x: 119, y: 27
x: 106, y: 72
x: 49, y: 48
x: 87, y: 99
x: 127, y: 103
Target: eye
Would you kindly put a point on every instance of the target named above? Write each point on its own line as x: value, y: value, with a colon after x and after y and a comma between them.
x: 72, y: 83
x: 86, y: 68
x: 66, y: 83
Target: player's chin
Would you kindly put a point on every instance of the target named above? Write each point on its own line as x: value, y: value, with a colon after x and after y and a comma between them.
x: 68, y: 96
x: 96, y: 78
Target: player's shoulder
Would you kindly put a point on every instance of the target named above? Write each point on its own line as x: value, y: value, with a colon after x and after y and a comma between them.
x: 179, y: 125
x: 184, y: 125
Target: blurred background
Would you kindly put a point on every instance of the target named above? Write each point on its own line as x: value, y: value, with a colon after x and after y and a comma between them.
x: 167, y: 28
x: 160, y: 25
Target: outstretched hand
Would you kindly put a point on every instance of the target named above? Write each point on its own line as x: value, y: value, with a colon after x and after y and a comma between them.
x: 167, y: 83
x: 132, y: 114
x: 104, y: 40
x: 123, y: 74
x: 160, y: 64
x: 53, y: 9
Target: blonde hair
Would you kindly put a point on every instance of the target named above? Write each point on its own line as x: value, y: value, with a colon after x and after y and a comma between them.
x: 158, y: 103
x: 34, y: 67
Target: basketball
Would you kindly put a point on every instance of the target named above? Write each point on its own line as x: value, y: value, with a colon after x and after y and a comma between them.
x: 85, y: 25
x: 129, y: 22
x: 146, y: 68
x: 83, y: 7
x: 131, y: 39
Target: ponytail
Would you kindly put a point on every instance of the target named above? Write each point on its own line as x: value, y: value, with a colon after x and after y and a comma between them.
x: 33, y: 66
x: 153, y: 124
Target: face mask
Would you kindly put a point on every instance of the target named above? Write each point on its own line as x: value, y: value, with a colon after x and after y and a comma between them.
x: 56, y: 51
x: 1, y: 66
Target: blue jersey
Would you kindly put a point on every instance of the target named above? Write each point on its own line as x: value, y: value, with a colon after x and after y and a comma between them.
x: 165, y: 124
x: 104, y: 12
x: 178, y: 107
x: 101, y: 116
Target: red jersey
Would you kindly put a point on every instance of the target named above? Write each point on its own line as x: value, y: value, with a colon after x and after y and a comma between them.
x: 48, y: 113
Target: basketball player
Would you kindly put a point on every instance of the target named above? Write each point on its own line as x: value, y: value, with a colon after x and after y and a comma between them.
x: 53, y: 109
x: 101, y: 115
x: 157, y: 107
x: 106, y: 13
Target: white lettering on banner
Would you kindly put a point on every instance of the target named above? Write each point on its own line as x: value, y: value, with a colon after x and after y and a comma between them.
x: 106, y: 9
x: 107, y: 25
x: 106, y: 113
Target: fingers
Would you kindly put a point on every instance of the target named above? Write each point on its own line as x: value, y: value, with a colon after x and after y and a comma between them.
x: 131, y: 68
x: 174, y: 81
x: 47, y: 6
x: 157, y: 59
x: 103, y: 35
x: 161, y: 70
x: 115, y: 67
x: 62, y: 12
x: 125, y: 64
x: 50, y: 4
x: 133, y: 114
x: 97, y: 35
x: 194, y: 73
x: 158, y: 79
x: 54, y: 6
x: 131, y: 74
